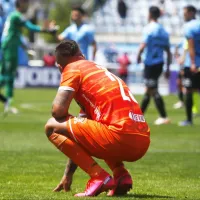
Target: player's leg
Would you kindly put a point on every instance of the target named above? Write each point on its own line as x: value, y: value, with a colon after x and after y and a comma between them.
x: 3, y: 98
x: 2, y: 82
x: 101, y: 142
x: 133, y: 147
x: 188, y: 106
x: 147, y: 95
x: 122, y: 178
x: 180, y: 103
x: 160, y: 105
x: 125, y: 76
x: 57, y: 133
x: 10, y: 67
x: 187, y: 82
x: 146, y: 100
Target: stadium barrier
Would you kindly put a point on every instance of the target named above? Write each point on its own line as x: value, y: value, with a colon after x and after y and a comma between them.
x: 37, y: 77
x: 50, y: 77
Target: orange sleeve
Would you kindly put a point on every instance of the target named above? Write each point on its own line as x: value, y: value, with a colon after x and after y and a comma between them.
x: 70, y: 80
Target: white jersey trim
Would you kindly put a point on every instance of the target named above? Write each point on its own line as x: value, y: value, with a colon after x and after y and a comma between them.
x: 64, y: 88
x: 70, y: 126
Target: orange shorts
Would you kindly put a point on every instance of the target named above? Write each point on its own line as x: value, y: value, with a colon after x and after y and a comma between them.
x: 101, y: 142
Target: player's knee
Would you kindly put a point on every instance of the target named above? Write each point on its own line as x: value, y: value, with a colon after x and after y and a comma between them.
x: 147, y: 96
x: 156, y: 94
x: 150, y: 91
x: 49, y: 128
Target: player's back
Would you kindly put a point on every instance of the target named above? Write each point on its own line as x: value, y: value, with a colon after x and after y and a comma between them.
x: 192, y: 30
x: 106, y: 98
x: 157, y: 39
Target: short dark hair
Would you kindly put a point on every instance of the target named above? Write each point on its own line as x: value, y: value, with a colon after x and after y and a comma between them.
x: 155, y: 12
x: 191, y: 8
x: 18, y: 2
x: 79, y: 9
x: 67, y: 48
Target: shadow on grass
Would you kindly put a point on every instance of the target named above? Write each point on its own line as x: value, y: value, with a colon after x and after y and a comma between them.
x: 147, y: 196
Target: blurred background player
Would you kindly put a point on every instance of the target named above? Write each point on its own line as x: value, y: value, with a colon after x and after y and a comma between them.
x: 124, y: 62
x: 80, y: 32
x: 11, y: 40
x: 49, y: 59
x: 5, y: 8
x: 180, y: 58
x: 191, y: 80
x: 106, y: 127
x: 195, y: 95
x: 122, y: 11
x: 155, y: 42
x: 184, y: 61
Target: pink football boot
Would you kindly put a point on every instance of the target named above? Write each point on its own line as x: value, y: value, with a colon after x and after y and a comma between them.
x: 97, y: 185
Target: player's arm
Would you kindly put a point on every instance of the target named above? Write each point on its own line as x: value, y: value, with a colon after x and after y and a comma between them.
x: 52, y: 28
x: 60, y: 109
x: 66, y: 181
x: 90, y: 35
x: 94, y: 47
x: 61, y: 103
x: 181, y: 59
x: 141, y: 49
x: 60, y: 37
x: 142, y: 45
x: 63, y: 35
x: 191, y: 49
x: 32, y: 27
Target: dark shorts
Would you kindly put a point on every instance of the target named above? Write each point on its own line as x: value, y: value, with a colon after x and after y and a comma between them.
x: 152, y: 74
x: 191, y: 80
x: 180, y: 74
x: 123, y: 77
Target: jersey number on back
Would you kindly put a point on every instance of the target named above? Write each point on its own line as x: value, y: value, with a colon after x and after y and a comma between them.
x: 112, y: 77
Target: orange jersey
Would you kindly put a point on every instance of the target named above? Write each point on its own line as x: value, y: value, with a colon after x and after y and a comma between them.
x: 104, y: 97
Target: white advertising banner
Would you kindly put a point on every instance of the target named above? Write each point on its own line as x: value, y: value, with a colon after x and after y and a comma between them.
x: 37, y: 77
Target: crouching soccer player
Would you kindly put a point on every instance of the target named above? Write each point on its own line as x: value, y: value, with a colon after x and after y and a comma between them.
x: 113, y: 128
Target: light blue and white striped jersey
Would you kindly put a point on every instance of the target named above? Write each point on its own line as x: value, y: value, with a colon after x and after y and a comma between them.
x: 156, y: 39
x: 83, y: 35
x: 192, y: 31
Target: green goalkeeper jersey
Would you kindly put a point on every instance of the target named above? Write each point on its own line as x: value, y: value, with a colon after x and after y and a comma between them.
x: 11, y: 37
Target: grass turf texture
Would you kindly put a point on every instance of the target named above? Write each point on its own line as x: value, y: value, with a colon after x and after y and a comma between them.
x: 30, y: 166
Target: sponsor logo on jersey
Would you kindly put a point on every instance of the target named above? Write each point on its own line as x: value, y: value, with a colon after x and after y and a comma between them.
x: 79, y: 120
x: 136, y: 117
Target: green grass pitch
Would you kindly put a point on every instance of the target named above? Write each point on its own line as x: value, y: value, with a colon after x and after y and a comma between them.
x: 30, y: 166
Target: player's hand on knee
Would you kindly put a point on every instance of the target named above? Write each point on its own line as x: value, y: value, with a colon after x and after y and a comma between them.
x: 65, y: 184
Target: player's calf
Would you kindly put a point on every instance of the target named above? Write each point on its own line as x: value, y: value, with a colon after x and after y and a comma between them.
x: 123, y: 184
